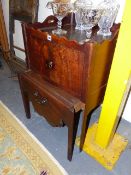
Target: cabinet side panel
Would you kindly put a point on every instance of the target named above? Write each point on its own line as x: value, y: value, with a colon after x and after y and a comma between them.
x: 98, y: 72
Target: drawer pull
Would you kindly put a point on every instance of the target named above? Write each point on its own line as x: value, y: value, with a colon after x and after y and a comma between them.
x: 36, y: 93
x: 43, y: 100
x: 49, y: 64
x: 39, y: 99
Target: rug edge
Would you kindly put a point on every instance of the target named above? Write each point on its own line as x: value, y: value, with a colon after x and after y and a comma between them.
x: 35, y: 139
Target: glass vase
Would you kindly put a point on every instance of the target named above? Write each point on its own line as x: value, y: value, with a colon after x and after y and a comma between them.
x: 60, y: 10
x: 78, y: 6
x: 108, y: 17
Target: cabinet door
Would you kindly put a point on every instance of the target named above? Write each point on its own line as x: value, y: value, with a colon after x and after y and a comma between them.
x: 59, y: 61
x: 63, y: 66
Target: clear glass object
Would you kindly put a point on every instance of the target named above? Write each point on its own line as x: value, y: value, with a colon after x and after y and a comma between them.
x: 60, y: 10
x: 90, y: 16
x: 78, y: 6
x: 79, y: 22
x: 87, y: 15
x: 108, y: 17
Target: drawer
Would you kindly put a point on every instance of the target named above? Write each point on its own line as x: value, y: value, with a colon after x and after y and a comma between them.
x: 49, y: 101
x: 43, y: 103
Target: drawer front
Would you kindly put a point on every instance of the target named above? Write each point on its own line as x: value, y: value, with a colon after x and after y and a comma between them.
x: 45, y: 104
x: 57, y: 63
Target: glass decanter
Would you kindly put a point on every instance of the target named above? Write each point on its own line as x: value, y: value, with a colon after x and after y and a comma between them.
x: 108, y: 17
x: 60, y: 10
x: 78, y: 6
x: 91, y: 14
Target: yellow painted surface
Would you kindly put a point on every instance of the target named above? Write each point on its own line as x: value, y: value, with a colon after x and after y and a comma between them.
x: 119, y: 75
x: 106, y: 157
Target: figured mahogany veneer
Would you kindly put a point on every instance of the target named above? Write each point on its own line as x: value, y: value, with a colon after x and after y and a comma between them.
x: 68, y: 63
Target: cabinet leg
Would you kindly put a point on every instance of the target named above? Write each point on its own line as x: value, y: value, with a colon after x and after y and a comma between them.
x: 72, y: 130
x: 25, y: 99
x: 85, y: 125
x: 26, y: 104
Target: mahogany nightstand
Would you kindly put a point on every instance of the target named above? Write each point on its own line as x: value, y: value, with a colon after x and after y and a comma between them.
x: 66, y: 75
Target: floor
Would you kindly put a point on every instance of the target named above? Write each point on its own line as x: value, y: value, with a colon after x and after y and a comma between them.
x: 55, y: 139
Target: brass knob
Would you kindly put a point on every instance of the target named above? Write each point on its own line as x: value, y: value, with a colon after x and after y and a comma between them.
x: 49, y: 64
x: 43, y: 100
x: 36, y: 93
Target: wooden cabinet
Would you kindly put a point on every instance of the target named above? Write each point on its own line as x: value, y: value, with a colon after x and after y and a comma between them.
x: 65, y: 74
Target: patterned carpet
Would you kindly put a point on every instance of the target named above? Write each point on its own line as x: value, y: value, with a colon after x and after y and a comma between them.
x: 20, y: 152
